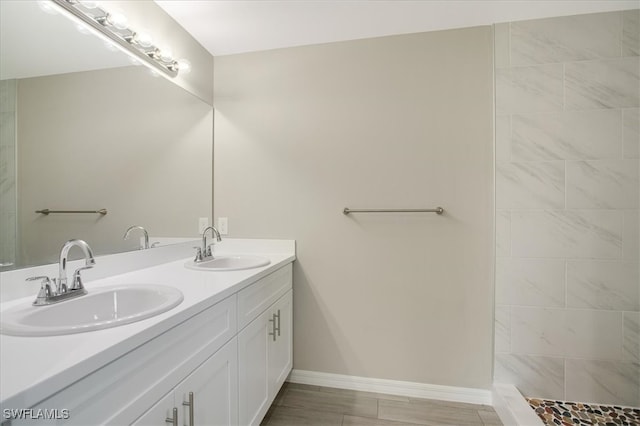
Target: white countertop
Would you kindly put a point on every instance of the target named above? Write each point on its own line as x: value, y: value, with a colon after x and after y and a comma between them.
x: 34, y: 368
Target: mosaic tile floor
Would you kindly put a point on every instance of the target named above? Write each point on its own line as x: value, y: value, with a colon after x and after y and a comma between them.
x: 575, y: 413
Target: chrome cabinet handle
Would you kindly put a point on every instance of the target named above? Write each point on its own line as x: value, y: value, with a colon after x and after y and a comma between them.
x: 190, y: 405
x: 173, y: 420
x: 278, y: 318
x: 273, y: 322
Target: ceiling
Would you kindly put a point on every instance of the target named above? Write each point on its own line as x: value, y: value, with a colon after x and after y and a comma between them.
x: 237, y: 26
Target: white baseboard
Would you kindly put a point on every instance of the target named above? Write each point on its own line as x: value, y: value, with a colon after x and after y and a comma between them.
x: 392, y: 387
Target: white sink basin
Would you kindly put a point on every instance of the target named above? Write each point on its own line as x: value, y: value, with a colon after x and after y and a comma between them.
x: 102, y: 308
x: 229, y: 263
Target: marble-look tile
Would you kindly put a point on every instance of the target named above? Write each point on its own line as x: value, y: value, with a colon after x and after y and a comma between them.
x: 534, y: 376
x: 601, y: 284
x: 503, y: 233
x: 501, y: 45
x: 570, y: 135
x: 631, y: 132
x: 503, y: 137
x: 602, y: 184
x: 537, y: 185
x: 564, y: 39
x: 631, y: 32
x: 612, y: 83
x: 426, y: 415
x: 605, y: 382
x: 530, y: 282
x: 286, y: 416
x: 631, y: 235
x: 316, y: 400
x: 631, y: 336
x: 571, y: 233
x: 502, y: 327
x: 529, y: 89
x: 593, y: 334
x: 538, y: 331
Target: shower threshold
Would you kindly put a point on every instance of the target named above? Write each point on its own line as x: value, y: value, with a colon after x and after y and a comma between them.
x: 577, y: 413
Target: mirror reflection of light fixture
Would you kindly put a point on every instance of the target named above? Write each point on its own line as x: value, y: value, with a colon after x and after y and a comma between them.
x: 114, y: 26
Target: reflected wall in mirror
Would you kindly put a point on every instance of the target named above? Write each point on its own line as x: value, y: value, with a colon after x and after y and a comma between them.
x: 97, y: 136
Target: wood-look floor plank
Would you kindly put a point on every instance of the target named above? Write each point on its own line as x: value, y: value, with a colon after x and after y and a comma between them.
x: 330, y: 402
x: 424, y: 414
x: 288, y: 416
x: 368, y: 421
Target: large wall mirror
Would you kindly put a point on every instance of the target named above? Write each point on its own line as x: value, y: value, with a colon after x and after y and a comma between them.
x: 82, y: 128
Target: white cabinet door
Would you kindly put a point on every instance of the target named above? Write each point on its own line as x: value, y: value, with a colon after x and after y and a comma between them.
x: 253, y: 370
x: 158, y: 414
x: 281, y: 350
x: 214, y: 390
x: 265, y: 359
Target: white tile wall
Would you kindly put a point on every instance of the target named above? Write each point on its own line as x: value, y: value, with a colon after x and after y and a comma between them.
x: 8, y: 171
x: 535, y: 376
x: 567, y: 199
x: 530, y: 282
x: 600, y: 381
x: 566, y: 135
x: 602, y: 284
x: 631, y: 132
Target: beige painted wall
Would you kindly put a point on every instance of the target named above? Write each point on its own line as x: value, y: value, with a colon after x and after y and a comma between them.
x: 139, y: 146
x: 402, y: 121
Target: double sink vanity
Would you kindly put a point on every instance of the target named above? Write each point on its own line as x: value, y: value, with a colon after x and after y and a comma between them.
x: 157, y: 339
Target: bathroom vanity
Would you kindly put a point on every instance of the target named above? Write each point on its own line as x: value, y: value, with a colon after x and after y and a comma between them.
x: 218, y: 358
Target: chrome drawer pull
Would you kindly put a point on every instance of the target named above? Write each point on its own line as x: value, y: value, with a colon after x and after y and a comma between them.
x: 190, y: 405
x: 173, y: 420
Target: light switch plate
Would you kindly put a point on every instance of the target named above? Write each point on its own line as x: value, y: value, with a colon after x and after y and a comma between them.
x: 223, y: 225
x: 203, y: 222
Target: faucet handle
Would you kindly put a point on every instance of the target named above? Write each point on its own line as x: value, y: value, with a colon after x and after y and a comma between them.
x: 45, y: 289
x: 77, y: 279
x: 198, y: 254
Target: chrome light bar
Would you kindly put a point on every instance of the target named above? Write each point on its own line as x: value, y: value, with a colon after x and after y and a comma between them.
x: 114, y: 27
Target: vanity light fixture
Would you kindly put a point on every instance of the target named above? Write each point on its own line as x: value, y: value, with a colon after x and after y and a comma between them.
x: 114, y: 26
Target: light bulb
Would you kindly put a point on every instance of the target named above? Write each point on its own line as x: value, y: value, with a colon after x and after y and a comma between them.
x: 118, y: 20
x: 184, y: 66
x: 165, y: 54
x: 143, y: 39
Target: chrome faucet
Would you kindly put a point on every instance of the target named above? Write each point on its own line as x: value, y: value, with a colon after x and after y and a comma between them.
x: 144, y: 231
x: 57, y: 290
x: 204, y: 253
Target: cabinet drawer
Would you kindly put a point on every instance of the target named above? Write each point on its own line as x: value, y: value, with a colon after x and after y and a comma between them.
x: 120, y: 391
x: 253, y: 300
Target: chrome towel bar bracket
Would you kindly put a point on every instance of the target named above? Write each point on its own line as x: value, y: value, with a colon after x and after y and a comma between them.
x: 437, y: 210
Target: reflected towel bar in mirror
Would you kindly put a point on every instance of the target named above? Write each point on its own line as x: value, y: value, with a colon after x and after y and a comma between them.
x: 437, y: 210
x: 47, y: 211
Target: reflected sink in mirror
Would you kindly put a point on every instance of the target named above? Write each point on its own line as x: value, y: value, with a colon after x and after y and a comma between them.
x: 102, y: 308
x: 229, y: 263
